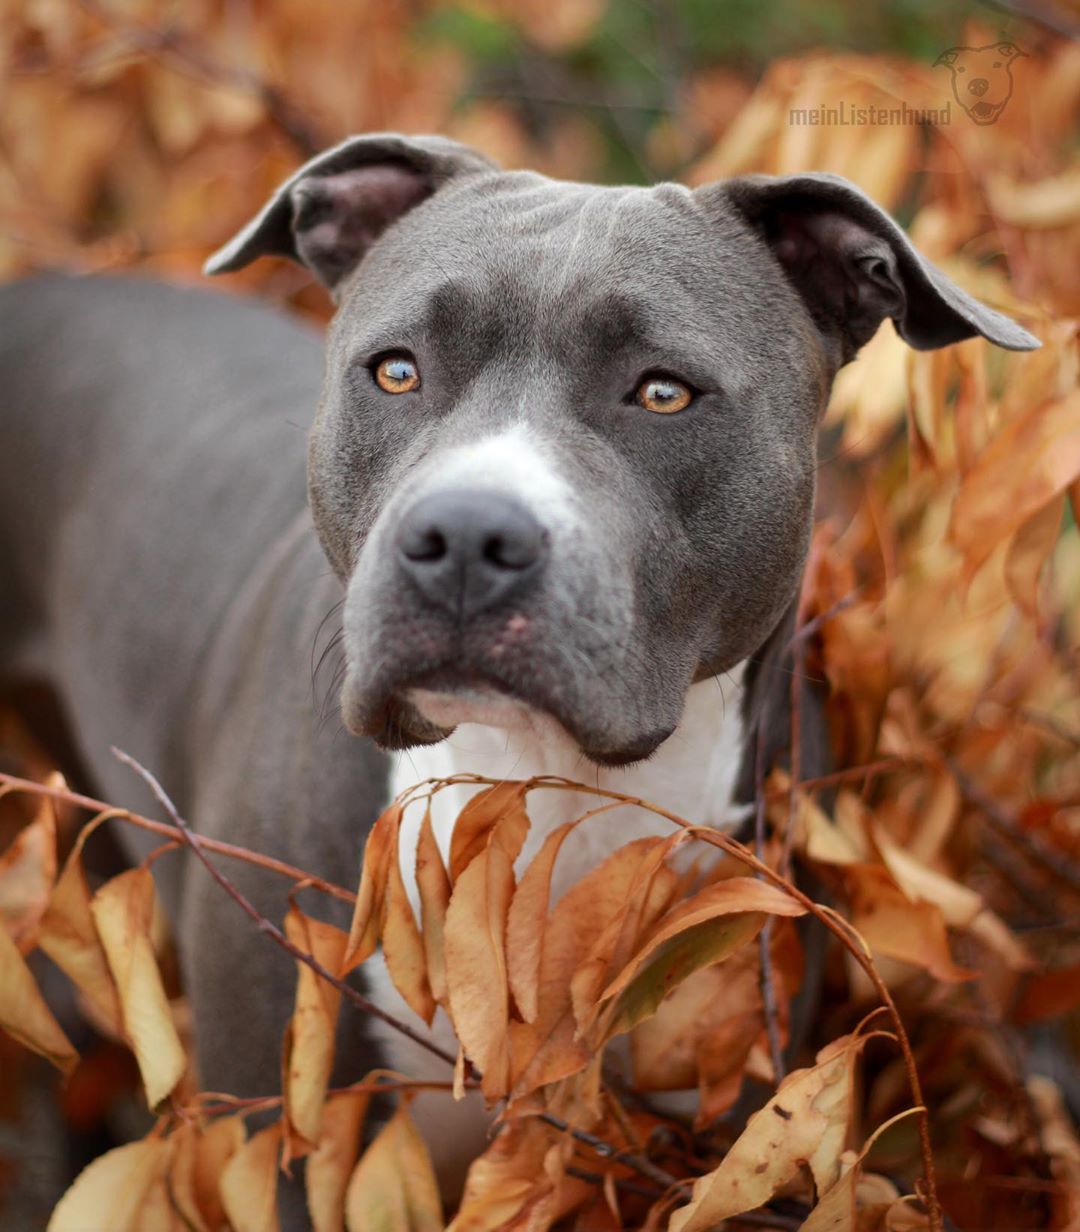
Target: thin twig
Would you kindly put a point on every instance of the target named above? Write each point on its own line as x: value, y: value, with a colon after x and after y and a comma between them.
x: 11, y: 782
x: 195, y: 843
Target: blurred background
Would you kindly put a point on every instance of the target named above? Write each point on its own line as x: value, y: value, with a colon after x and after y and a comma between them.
x: 137, y: 135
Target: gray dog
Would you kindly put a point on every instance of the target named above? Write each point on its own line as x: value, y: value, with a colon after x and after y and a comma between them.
x: 562, y: 468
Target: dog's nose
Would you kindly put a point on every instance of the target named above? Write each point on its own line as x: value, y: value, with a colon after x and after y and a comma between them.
x: 978, y: 86
x: 468, y: 551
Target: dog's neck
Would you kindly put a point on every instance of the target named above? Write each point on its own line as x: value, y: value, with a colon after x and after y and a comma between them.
x: 692, y: 774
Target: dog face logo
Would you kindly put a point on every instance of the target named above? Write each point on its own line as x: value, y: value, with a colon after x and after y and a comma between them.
x: 982, y: 78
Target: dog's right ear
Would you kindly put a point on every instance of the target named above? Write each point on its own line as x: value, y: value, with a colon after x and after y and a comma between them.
x: 330, y: 212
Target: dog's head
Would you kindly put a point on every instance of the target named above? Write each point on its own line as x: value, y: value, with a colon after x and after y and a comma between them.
x: 564, y: 456
x: 982, y: 79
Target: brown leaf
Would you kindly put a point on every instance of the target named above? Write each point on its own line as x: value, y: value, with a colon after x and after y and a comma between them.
x: 806, y: 1121
x: 23, y: 1012
x: 369, y: 915
x: 330, y: 1165
x: 393, y: 1187
x: 689, y: 937
x: 68, y: 935
x: 1029, y: 551
x: 123, y: 911
x: 28, y: 871
x: 308, y: 1054
x: 109, y: 1192
x: 199, y: 1158
x: 434, y: 885
x: 249, y: 1183
x: 475, y: 940
x: 403, y: 946
x: 479, y: 816
x: 1033, y: 459
x: 549, y: 1049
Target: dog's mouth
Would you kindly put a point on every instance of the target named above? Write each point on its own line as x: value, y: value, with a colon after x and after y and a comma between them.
x: 425, y: 706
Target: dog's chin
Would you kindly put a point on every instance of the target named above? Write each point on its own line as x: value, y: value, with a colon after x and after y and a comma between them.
x: 428, y: 709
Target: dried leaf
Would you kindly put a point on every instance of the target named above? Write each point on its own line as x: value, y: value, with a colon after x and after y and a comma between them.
x: 249, y: 1183
x: 308, y: 1054
x: 68, y: 935
x: 23, y: 1012
x: 109, y: 1192
x: 393, y: 1187
x: 434, y: 885
x: 123, y: 911
x: 479, y: 816
x: 199, y: 1158
x: 475, y: 939
x: 330, y: 1165
x: 27, y: 873
x: 690, y: 937
x: 806, y: 1121
x: 369, y: 915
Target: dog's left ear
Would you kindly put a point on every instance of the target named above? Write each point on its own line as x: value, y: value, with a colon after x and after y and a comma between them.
x: 330, y: 212
x: 853, y: 266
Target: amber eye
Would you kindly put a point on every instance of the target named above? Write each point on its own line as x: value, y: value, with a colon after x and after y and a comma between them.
x: 397, y: 374
x: 663, y: 394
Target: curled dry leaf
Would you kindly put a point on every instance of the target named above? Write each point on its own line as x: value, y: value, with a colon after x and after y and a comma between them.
x: 308, y: 1053
x: 433, y: 884
x: 249, y: 1183
x: 23, y: 1012
x: 123, y: 912
x: 806, y: 1122
x: 393, y: 1187
x: 28, y: 871
x: 68, y: 935
x: 369, y: 915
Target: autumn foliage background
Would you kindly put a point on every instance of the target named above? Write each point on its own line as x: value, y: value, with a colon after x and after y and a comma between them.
x: 942, y: 606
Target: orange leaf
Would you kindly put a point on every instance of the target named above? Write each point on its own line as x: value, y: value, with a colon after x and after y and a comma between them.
x: 109, y: 1192
x: 380, y: 856
x: 475, y: 821
x: 27, y: 873
x: 393, y: 1187
x: 330, y: 1165
x: 434, y: 886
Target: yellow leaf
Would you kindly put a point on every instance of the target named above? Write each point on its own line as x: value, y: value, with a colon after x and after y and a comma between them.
x: 330, y: 1165
x: 308, y: 1054
x: 23, y: 1012
x: 109, y: 1192
x: 67, y: 934
x: 123, y: 910
x: 806, y: 1121
x: 27, y: 873
x: 475, y: 949
x: 249, y: 1183
x: 393, y: 1187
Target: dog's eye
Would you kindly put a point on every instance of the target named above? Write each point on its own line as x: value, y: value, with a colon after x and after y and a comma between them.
x: 397, y: 374
x: 663, y: 394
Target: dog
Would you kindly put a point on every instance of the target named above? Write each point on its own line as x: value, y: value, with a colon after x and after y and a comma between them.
x: 559, y: 494
x: 982, y: 80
